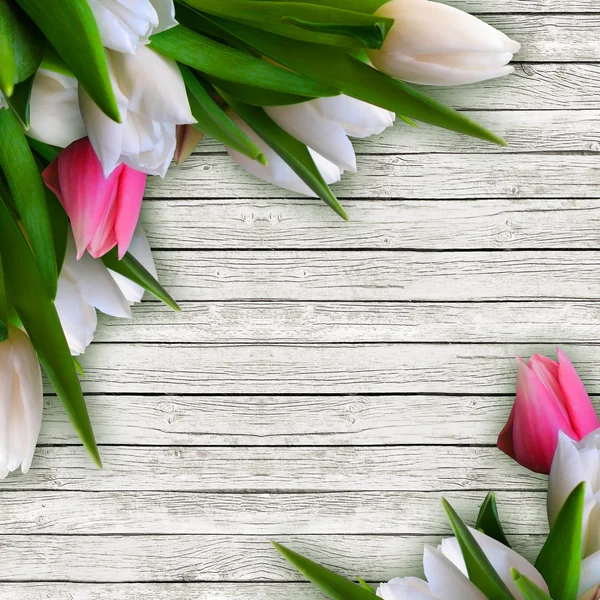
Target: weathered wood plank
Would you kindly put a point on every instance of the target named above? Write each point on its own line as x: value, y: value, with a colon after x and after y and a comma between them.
x: 357, y: 322
x: 152, y: 513
x: 317, y: 369
x: 292, y: 469
x: 375, y: 224
x: 172, y: 558
x: 379, y: 275
x: 285, y: 420
x: 407, y: 176
x: 525, y: 131
x: 525, y: 6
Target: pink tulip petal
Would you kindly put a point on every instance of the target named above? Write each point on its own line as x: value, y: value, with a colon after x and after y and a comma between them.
x: 50, y: 177
x: 538, y: 418
x: 547, y: 372
x: 551, y: 365
x: 581, y: 412
x: 129, y: 202
x: 505, y: 439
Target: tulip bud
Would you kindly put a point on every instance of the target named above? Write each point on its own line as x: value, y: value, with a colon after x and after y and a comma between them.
x: 550, y: 398
x: 435, y: 44
x: 103, y: 211
x: 21, y: 402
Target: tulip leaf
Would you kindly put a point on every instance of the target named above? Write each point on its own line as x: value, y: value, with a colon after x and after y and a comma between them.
x: 529, y: 589
x: 59, y: 221
x: 353, y: 77
x: 365, y: 6
x: 213, y: 58
x: 256, y: 96
x: 35, y: 307
x: 333, y: 585
x: 28, y: 194
x: 488, y: 521
x: 8, y: 67
x: 133, y: 270
x: 72, y: 30
x: 481, y: 572
x: 291, y: 151
x: 304, y: 22
x: 559, y: 561
x: 213, y: 120
x: 45, y: 151
x: 365, y: 585
x: 19, y: 101
x: 3, y: 306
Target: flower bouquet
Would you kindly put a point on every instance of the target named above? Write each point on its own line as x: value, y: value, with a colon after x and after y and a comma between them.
x: 552, y: 429
x: 97, y: 94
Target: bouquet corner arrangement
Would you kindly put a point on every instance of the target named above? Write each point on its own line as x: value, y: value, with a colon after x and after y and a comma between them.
x: 97, y: 95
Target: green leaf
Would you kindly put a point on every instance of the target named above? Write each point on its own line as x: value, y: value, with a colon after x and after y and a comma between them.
x: 333, y: 585
x: 131, y: 268
x: 529, y: 589
x: 481, y: 572
x: 45, y: 151
x: 208, y: 56
x: 365, y: 585
x: 60, y: 227
x: 3, y: 306
x: 71, y: 28
x: 304, y: 22
x: 353, y: 77
x: 291, y: 150
x: 559, y: 561
x: 8, y: 67
x: 365, y: 6
x: 488, y: 521
x: 36, y: 310
x: 213, y: 120
x: 19, y: 101
x: 29, y: 195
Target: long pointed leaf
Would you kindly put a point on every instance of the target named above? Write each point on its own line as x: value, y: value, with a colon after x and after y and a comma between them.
x: 529, y: 589
x: 559, y: 561
x: 291, y: 150
x: 3, y: 306
x: 36, y: 310
x: 8, y: 67
x: 488, y: 521
x: 131, y: 268
x: 208, y: 56
x: 72, y: 30
x: 333, y: 585
x: 213, y: 120
x: 480, y: 570
x: 28, y: 193
x: 357, y: 79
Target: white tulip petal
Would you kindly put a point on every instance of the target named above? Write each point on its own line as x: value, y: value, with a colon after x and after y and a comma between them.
x: 113, y: 32
x: 6, y: 385
x: 55, y: 117
x: 165, y: 10
x: 406, y: 588
x: 445, y: 579
x: 590, y: 572
x: 324, y: 136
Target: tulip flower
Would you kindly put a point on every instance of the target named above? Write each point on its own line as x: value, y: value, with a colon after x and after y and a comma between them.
x: 550, y: 398
x: 277, y: 171
x: 152, y: 101
x: 126, y: 24
x: 103, y: 211
x: 324, y: 125
x: 54, y: 109
x: 447, y: 577
x: 573, y: 463
x: 21, y: 402
x: 83, y: 286
x: 435, y: 44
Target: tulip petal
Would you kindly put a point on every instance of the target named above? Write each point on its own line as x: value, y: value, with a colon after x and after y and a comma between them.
x: 505, y: 439
x: 581, y: 412
x: 6, y: 385
x: 129, y: 202
x: 546, y: 370
x: 590, y: 572
x: 165, y: 10
x: 406, y: 588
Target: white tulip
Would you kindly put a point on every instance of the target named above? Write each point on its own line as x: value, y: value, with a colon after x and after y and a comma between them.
x: 447, y: 577
x: 54, y: 109
x: 140, y: 249
x: 83, y: 286
x: 435, y: 44
x: 21, y: 402
x: 324, y: 125
x: 126, y: 24
x: 573, y: 463
x: 279, y: 172
x: 152, y: 101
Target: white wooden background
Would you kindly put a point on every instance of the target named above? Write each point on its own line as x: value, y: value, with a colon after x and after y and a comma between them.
x: 328, y: 382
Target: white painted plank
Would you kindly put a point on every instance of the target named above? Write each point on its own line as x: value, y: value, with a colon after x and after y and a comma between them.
x: 524, y: 6
x: 374, y: 224
x: 349, y: 513
x: 292, y: 469
x: 407, y: 176
x: 379, y: 275
x: 285, y: 420
x: 172, y: 558
x: 525, y: 131
x: 357, y: 322
x: 317, y: 369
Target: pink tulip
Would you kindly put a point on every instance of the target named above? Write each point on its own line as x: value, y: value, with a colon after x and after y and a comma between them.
x: 550, y: 398
x: 103, y: 211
